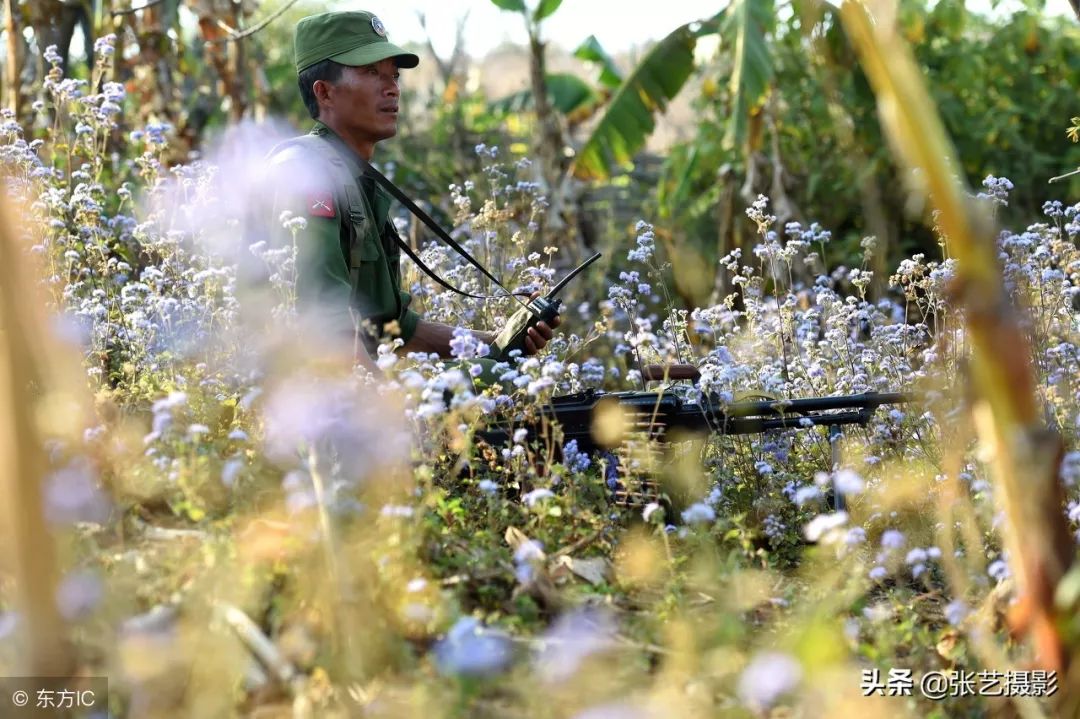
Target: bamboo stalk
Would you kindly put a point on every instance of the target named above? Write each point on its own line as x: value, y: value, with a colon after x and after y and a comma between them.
x: 263, y: 649
x: 345, y: 602
x: 1025, y: 455
x: 23, y: 463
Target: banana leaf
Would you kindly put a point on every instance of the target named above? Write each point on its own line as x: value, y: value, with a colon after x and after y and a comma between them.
x: 568, y: 93
x: 628, y: 121
x: 592, y: 51
x: 511, y: 5
x: 746, y: 29
x: 545, y: 9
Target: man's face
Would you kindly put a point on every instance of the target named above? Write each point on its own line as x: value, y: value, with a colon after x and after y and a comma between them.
x: 364, y: 101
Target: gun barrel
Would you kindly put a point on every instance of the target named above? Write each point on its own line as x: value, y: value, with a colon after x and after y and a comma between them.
x: 757, y: 425
x: 867, y: 400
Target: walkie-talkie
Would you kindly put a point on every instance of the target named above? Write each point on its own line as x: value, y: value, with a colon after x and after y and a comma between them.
x: 542, y: 309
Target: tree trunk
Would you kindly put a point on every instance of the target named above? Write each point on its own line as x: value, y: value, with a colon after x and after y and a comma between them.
x: 74, y: 17
x: 238, y: 91
x: 452, y: 73
x: 550, y: 141
x: 549, y: 145
x: 219, y: 54
x: 13, y: 68
x: 725, y: 231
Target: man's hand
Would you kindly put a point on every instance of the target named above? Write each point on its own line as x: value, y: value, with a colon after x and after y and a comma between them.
x: 536, y: 338
x: 435, y: 337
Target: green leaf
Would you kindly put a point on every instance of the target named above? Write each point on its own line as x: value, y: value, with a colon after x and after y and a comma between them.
x: 592, y: 51
x: 512, y: 5
x: 546, y: 8
x: 677, y: 197
x: 710, y: 26
x: 746, y: 29
x: 628, y: 121
x: 566, y: 92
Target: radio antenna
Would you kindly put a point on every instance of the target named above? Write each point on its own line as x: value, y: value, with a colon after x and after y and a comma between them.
x: 573, y: 273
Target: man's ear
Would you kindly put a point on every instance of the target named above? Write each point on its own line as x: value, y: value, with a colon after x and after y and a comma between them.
x: 321, y: 90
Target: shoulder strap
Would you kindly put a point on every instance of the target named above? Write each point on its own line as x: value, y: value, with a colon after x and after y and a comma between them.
x: 431, y: 273
x: 424, y: 217
x: 432, y: 225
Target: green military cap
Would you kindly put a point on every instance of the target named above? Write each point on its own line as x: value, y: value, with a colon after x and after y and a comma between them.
x: 346, y: 37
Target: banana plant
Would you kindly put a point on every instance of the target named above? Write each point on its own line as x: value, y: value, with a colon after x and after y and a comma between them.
x: 550, y: 139
x: 571, y: 96
x: 634, y: 101
x: 629, y: 118
x: 592, y: 51
x: 744, y: 27
x: 543, y: 9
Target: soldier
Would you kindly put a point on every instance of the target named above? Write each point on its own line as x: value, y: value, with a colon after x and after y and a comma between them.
x: 348, y: 273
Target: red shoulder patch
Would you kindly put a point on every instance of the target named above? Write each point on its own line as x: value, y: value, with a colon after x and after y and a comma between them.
x: 321, y: 204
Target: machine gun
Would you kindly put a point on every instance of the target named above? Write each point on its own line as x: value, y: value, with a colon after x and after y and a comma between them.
x: 658, y: 412
x: 657, y: 415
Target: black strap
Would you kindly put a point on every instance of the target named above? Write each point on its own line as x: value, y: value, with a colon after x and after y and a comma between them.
x: 440, y: 233
x: 432, y: 225
x: 431, y: 273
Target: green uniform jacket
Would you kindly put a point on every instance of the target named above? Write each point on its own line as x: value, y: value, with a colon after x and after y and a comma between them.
x: 342, y: 296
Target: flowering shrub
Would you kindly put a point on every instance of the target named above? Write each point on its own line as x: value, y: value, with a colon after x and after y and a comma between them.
x: 392, y: 562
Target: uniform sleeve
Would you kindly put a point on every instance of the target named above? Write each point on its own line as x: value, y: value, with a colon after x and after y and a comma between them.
x: 409, y: 318
x: 322, y: 276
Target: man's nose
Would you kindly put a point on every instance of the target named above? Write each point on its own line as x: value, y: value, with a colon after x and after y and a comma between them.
x: 390, y: 86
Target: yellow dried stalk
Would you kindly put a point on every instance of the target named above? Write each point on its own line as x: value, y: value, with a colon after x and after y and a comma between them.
x: 1025, y: 456
x: 30, y: 548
